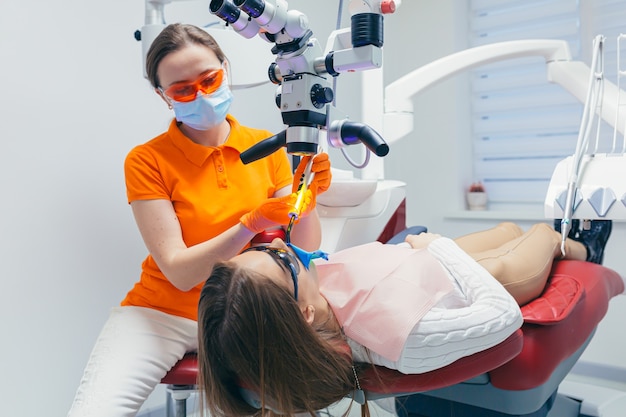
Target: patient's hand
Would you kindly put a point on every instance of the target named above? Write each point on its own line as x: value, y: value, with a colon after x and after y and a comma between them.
x: 422, y: 240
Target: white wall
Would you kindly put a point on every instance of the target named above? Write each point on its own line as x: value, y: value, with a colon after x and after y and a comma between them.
x: 73, y: 103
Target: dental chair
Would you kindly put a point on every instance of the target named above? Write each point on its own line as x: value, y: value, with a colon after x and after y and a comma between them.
x: 518, y: 377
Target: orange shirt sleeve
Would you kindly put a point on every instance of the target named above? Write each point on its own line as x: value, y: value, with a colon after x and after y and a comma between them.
x: 143, y: 177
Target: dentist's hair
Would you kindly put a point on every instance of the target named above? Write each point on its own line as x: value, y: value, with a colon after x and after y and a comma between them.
x: 252, y: 333
x: 173, y: 38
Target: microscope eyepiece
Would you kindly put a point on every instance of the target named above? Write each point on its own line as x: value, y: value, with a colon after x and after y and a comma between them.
x: 225, y: 10
x: 254, y: 8
x: 240, y: 22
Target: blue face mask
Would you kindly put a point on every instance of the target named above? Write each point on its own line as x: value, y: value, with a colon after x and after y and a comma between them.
x: 206, y: 111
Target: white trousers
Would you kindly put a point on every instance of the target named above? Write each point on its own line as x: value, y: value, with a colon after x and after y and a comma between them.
x: 134, y: 351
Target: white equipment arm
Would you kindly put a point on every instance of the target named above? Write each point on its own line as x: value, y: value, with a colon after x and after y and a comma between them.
x: 571, y: 75
x: 602, y: 193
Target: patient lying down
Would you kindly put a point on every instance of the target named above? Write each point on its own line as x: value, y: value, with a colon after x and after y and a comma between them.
x: 298, y: 333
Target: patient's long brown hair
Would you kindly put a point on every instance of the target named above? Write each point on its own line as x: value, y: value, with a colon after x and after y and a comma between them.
x: 252, y: 333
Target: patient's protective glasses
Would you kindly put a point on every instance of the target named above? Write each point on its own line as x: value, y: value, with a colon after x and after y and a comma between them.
x: 287, y: 259
x: 187, y: 91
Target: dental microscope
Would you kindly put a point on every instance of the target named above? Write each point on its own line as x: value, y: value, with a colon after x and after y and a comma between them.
x: 303, y: 72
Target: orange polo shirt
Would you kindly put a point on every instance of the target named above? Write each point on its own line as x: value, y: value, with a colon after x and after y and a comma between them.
x: 210, y: 189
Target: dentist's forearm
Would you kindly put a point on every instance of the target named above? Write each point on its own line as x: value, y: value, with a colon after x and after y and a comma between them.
x: 188, y: 267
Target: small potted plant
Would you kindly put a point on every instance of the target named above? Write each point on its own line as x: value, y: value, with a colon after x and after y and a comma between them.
x: 477, y: 197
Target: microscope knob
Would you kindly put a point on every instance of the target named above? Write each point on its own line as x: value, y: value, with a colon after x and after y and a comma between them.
x: 321, y: 95
x: 387, y: 6
x: 273, y: 73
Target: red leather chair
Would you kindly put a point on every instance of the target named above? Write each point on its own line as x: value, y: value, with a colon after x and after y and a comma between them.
x: 181, y: 381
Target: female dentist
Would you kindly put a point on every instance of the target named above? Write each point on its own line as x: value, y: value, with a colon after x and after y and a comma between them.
x: 195, y: 203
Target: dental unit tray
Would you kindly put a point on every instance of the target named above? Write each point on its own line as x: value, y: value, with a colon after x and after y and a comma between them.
x: 590, y: 184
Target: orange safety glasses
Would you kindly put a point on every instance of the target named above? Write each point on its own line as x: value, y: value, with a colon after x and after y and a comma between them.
x: 187, y: 91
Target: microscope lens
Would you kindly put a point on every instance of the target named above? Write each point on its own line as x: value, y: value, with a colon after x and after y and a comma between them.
x: 224, y: 10
x: 254, y: 8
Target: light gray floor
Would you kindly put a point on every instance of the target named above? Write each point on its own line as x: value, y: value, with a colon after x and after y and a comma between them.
x: 380, y: 408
